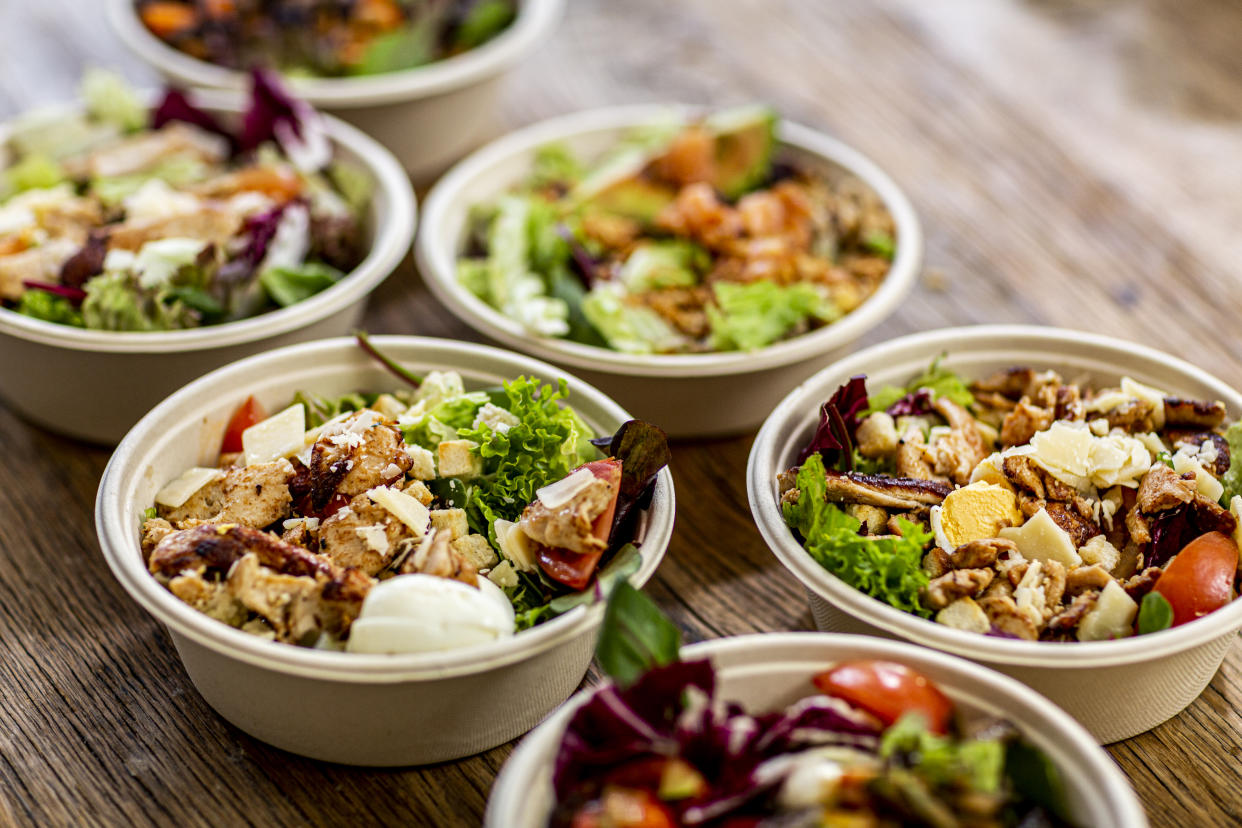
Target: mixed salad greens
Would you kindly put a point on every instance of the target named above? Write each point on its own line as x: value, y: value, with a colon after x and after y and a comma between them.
x: 325, y: 38
x: 878, y: 745
x: 685, y: 237
x: 1022, y: 505
x: 316, y: 510
x: 125, y: 217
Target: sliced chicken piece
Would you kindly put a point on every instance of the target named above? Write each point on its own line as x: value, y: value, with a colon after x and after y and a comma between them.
x: 570, y: 526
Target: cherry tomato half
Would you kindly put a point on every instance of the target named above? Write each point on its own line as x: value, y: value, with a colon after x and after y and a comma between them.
x: 1199, y: 579
x: 887, y: 691
x: 246, y: 415
x: 574, y: 569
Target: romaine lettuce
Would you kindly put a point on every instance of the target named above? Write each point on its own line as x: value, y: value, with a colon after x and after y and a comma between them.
x: 888, y: 568
x: 750, y: 316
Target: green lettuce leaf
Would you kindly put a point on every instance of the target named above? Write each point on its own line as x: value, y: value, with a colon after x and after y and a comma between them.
x: 635, y: 636
x: 653, y: 265
x: 290, y: 285
x: 976, y: 764
x: 940, y: 381
x: 484, y: 21
x: 887, y: 568
x: 109, y: 99
x: 1232, y: 478
x: 750, y: 316
x: 547, y: 443
x: 32, y: 172
x: 49, y: 307
x: 632, y: 329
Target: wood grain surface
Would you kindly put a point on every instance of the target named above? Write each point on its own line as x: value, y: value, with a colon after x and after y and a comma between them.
x: 1075, y: 162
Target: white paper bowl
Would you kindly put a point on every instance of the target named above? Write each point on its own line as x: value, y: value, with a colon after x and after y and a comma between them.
x: 428, y: 116
x: 94, y: 385
x: 1117, y: 689
x: 347, y: 707
x: 771, y: 671
x: 690, y: 395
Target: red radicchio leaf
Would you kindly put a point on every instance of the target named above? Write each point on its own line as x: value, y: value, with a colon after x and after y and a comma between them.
x: 175, y: 106
x: 1172, y: 529
x: 643, y: 450
x: 275, y: 115
x: 86, y: 263
x: 911, y: 405
x: 74, y: 295
x: 587, y: 266
x: 838, y: 420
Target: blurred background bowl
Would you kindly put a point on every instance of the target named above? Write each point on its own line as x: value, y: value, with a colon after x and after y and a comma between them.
x: 427, y: 116
x: 689, y: 395
x: 773, y: 670
x: 1116, y: 689
x: 94, y: 385
x: 381, y: 710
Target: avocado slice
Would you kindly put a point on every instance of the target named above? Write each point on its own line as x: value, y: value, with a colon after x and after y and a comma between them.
x: 745, y: 141
x: 636, y: 198
x: 628, y: 157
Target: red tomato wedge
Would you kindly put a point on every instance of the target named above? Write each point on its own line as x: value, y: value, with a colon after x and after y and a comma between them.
x: 1199, y: 579
x: 887, y: 691
x: 246, y: 415
x: 570, y: 568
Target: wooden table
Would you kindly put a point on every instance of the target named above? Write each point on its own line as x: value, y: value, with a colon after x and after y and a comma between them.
x: 1075, y: 162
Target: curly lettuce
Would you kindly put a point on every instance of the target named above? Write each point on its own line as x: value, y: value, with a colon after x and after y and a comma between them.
x: 548, y: 442
x: 887, y: 568
x: 1232, y: 478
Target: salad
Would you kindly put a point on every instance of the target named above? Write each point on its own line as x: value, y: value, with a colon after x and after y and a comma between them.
x: 874, y: 744
x: 1022, y: 504
x: 423, y: 519
x: 684, y: 237
x: 124, y: 217
x: 325, y: 38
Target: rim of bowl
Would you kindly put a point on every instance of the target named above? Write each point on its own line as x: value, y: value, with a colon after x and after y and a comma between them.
x: 534, y: 22
x: 119, y: 539
x: 437, y: 254
x: 520, y: 770
x: 766, y: 455
x: 391, y: 238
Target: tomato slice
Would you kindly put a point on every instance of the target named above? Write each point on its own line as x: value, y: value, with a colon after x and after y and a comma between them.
x: 887, y: 691
x: 1199, y: 579
x: 574, y: 569
x: 246, y: 415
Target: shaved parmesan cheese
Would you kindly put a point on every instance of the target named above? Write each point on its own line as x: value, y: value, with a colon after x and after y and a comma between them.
x: 1078, y: 458
x: 403, y: 507
x: 280, y: 435
x: 1205, y: 483
x: 515, y: 544
x: 1111, y: 617
x: 1147, y: 394
x: 555, y: 495
x: 1040, y: 539
x: 374, y: 536
x: 177, y: 492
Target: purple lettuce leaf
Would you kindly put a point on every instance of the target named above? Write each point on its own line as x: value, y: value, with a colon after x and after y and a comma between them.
x: 914, y: 404
x: 618, y: 725
x: 275, y: 115
x: 838, y: 420
x: 176, y: 106
x: 88, y: 262
x: 587, y: 268
x: 73, y: 294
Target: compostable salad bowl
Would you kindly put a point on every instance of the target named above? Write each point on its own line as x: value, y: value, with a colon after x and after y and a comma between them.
x: 94, y: 385
x: 427, y: 116
x: 386, y: 710
x: 690, y: 395
x: 770, y: 671
x: 1117, y: 688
